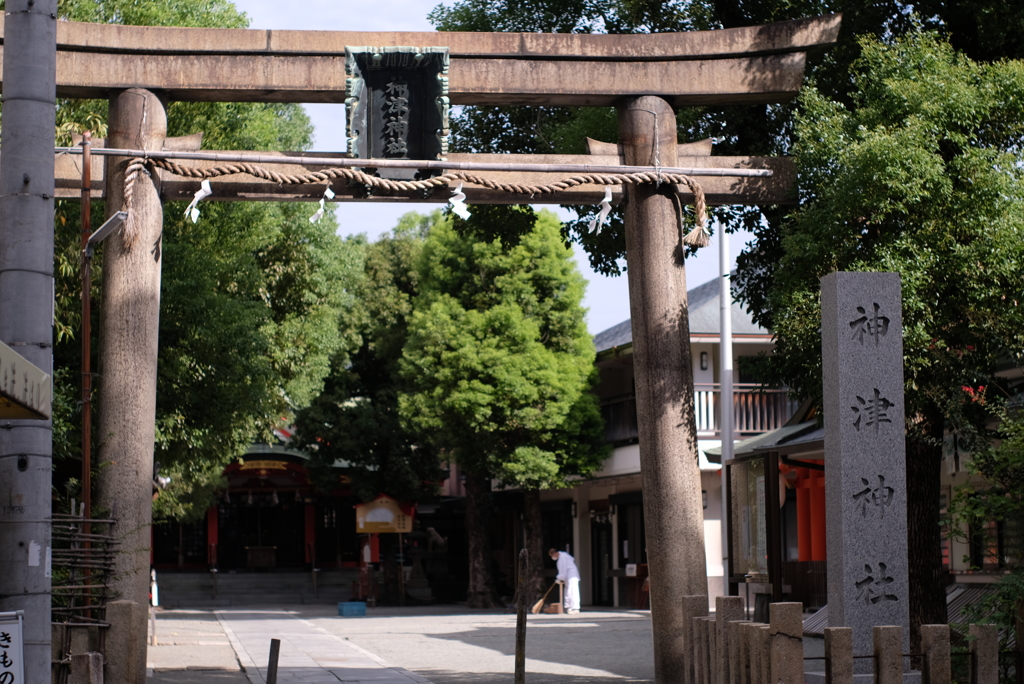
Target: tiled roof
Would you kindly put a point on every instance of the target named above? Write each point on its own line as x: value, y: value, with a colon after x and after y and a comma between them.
x: 704, y: 319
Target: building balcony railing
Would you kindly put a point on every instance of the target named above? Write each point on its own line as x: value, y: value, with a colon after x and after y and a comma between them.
x: 755, y: 410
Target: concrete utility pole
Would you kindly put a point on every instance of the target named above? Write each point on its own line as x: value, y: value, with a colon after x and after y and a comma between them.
x: 129, y: 323
x: 673, y: 512
x: 26, y: 313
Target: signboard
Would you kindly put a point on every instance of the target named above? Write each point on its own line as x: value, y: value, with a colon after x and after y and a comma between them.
x: 383, y: 514
x: 397, y: 102
x: 264, y: 465
x: 25, y: 390
x: 12, y: 648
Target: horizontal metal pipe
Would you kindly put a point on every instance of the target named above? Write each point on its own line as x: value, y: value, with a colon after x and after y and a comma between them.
x: 348, y: 162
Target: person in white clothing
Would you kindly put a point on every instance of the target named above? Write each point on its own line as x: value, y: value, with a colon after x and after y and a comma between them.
x: 569, y: 575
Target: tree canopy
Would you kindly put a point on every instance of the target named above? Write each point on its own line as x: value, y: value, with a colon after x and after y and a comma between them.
x: 498, y: 356
x: 897, y: 179
x: 251, y: 295
x: 498, y: 367
x: 355, y: 419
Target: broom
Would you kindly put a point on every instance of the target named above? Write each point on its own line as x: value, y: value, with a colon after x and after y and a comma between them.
x: 540, y: 604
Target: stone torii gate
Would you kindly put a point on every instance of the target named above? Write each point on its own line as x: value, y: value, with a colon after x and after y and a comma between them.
x: 645, y: 77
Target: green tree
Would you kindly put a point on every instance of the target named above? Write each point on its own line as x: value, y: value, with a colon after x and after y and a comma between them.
x: 251, y: 295
x: 984, y: 30
x: 355, y: 418
x: 900, y: 180
x: 999, y: 502
x: 499, y: 366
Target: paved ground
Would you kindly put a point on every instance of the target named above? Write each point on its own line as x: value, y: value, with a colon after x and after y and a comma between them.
x: 439, y: 645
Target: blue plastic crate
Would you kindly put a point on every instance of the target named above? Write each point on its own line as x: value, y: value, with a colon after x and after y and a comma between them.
x: 352, y: 608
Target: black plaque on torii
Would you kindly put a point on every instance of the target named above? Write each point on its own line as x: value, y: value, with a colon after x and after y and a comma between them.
x: 397, y: 102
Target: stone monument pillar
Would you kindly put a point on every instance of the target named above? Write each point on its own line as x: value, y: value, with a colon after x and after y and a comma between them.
x: 865, y: 470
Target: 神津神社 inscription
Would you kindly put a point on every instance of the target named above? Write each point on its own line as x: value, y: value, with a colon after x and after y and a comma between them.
x: 865, y: 476
x: 397, y: 102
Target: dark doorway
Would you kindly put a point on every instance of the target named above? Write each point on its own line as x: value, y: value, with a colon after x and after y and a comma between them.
x: 601, y: 559
x: 261, y: 535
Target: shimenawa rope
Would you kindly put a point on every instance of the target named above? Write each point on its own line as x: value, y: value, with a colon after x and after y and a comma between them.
x: 697, y: 237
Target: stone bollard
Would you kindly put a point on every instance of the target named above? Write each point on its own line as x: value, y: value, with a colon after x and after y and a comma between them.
x: 787, y: 643
x: 752, y: 638
x: 935, y: 665
x: 119, y: 654
x: 737, y: 652
x: 763, y: 643
x: 693, y: 607
x: 756, y: 662
x: 888, y: 646
x: 727, y: 609
x: 839, y: 655
x: 984, y: 654
x: 706, y: 635
x: 86, y: 668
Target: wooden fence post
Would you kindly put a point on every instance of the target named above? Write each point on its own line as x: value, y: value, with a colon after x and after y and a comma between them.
x: 839, y: 655
x: 787, y: 643
x: 935, y: 665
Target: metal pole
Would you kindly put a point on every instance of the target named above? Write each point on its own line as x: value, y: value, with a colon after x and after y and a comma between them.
x: 520, y: 675
x: 725, y: 422
x: 26, y: 314
x: 86, y: 326
x: 348, y: 162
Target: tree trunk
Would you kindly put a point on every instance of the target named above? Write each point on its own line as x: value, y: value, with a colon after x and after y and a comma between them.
x: 129, y: 320
x: 533, y: 540
x: 673, y: 512
x: 924, y: 542
x: 480, y: 593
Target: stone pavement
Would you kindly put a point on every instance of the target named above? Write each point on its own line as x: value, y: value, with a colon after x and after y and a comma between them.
x: 429, y: 645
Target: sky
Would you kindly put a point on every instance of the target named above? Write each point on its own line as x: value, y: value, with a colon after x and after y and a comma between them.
x: 607, y: 298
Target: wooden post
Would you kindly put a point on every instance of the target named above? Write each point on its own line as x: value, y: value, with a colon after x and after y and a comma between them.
x: 524, y: 565
x: 673, y: 512
x: 129, y: 321
x: 275, y: 654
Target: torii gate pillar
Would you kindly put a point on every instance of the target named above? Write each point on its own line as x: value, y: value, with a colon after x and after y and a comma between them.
x: 673, y: 515
x: 129, y: 323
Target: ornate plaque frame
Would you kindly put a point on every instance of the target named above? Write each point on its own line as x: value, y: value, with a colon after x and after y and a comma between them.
x: 397, y: 105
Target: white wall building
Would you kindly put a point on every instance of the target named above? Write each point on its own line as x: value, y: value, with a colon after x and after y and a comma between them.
x: 606, y: 511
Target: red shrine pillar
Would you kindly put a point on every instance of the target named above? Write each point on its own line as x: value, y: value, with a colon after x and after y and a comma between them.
x: 817, y: 494
x: 810, y: 514
x: 803, y: 514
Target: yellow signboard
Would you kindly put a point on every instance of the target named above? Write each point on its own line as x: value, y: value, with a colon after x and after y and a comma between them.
x: 25, y: 390
x: 264, y: 465
x: 383, y: 514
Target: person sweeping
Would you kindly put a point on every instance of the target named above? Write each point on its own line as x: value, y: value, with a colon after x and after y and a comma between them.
x: 569, y: 575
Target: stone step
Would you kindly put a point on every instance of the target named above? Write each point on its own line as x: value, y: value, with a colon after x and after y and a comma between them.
x: 196, y: 590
